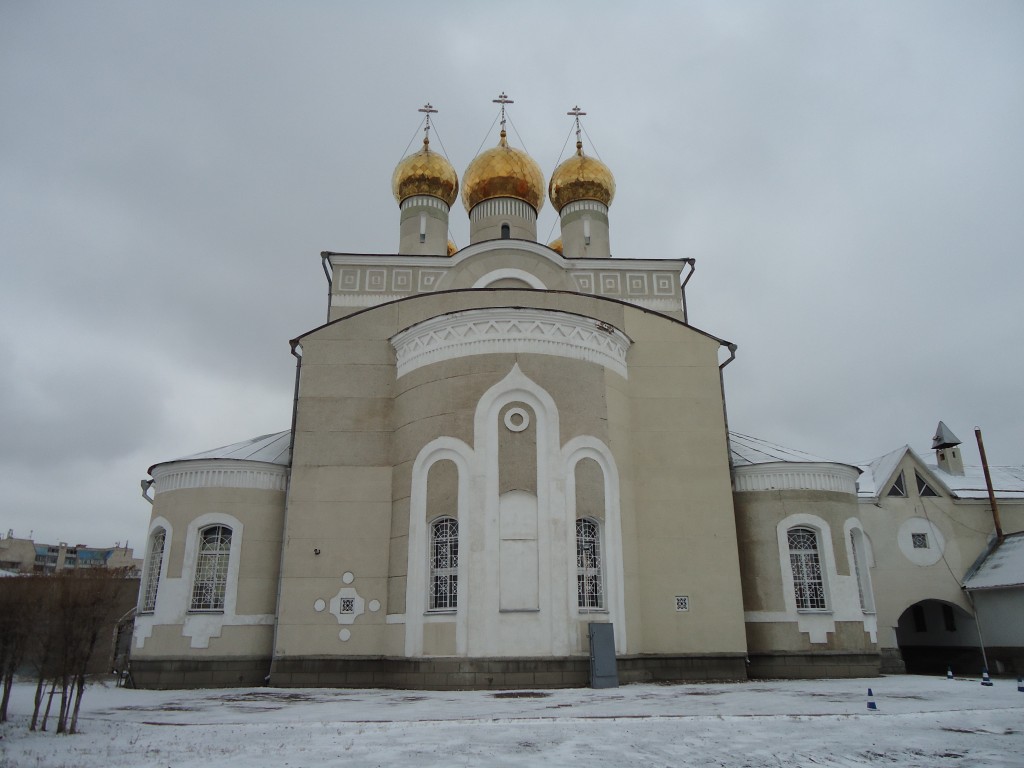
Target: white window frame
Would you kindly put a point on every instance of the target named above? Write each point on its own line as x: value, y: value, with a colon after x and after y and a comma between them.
x: 859, y: 567
x: 589, y: 566
x: 211, y: 573
x: 443, y: 561
x: 154, y: 566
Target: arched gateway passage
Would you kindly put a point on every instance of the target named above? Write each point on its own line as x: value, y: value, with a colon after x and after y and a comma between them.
x: 934, y: 635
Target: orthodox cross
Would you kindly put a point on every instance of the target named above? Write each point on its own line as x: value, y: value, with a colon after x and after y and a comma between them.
x: 503, y: 100
x: 427, y: 108
x: 576, y: 112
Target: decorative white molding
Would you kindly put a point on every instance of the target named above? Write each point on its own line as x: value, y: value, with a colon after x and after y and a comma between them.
x: 418, y: 201
x: 508, y: 330
x: 792, y: 476
x: 515, y: 274
x: 503, y: 206
x: 218, y: 473
x: 583, y: 205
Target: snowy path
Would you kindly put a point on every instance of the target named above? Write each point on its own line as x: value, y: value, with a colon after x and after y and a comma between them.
x: 922, y: 722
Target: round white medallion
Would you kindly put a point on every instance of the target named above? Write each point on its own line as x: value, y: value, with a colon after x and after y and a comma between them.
x: 344, y: 635
x: 375, y: 605
x: 920, y: 541
x: 319, y: 605
x: 516, y: 419
x: 347, y: 577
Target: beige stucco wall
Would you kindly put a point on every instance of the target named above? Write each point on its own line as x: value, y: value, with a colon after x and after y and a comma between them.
x: 359, y: 429
x: 252, y: 596
x: 966, y: 526
x: 773, y: 625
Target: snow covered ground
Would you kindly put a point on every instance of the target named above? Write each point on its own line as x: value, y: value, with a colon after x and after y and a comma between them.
x: 921, y: 721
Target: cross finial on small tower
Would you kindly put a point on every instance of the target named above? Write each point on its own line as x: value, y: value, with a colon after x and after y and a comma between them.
x: 576, y: 112
x: 429, y: 110
x: 503, y: 100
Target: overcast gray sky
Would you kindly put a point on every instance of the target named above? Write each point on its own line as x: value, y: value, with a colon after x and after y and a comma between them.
x: 848, y: 175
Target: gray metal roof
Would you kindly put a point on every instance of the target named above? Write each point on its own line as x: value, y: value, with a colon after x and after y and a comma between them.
x: 747, y: 450
x: 1007, y: 482
x: 271, y: 449
x: 944, y: 437
x: 1002, y: 567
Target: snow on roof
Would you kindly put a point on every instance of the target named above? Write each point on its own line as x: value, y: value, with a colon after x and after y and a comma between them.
x: 272, y: 449
x: 4, y: 573
x: 747, y: 450
x: 1002, y: 567
x: 1008, y: 482
x: 876, y: 472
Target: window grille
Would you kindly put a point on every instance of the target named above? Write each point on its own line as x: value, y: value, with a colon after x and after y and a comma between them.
x: 348, y: 605
x: 444, y: 564
x: 589, y: 587
x: 682, y: 602
x: 920, y: 540
x: 211, y: 569
x: 156, y: 559
x: 808, y: 584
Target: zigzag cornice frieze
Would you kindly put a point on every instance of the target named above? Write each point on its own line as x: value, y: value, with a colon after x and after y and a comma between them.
x: 504, y: 330
x: 215, y: 473
x: 794, y: 476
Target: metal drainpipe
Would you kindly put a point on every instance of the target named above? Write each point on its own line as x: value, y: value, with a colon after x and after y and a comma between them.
x: 324, y: 258
x: 725, y: 410
x: 682, y: 288
x: 296, y: 346
x: 146, y: 485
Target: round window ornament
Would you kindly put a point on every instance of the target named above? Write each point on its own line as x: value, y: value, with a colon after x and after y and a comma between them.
x: 517, y: 419
x: 347, y: 577
x: 375, y: 605
x: 344, y: 635
x: 319, y: 605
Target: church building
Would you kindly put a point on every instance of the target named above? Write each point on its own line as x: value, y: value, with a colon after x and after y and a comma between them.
x: 494, y: 447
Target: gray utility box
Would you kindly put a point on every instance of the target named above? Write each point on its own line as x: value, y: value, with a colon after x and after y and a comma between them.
x: 603, y: 671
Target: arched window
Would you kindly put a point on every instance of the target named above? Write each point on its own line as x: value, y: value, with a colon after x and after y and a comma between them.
x: 808, y: 584
x: 444, y: 564
x: 860, y: 570
x: 589, y: 586
x: 506, y: 232
x: 152, y: 581
x: 211, y: 568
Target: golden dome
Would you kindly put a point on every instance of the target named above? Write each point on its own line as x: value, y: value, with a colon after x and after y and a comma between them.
x: 425, y: 173
x: 556, y: 245
x: 581, y: 178
x: 451, y: 247
x: 503, y: 171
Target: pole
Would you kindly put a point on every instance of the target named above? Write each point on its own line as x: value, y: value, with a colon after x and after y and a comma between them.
x: 988, y: 484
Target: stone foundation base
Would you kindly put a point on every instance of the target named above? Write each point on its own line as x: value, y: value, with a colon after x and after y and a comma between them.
x: 892, y: 662
x: 823, y: 664
x: 199, y: 673
x: 466, y: 674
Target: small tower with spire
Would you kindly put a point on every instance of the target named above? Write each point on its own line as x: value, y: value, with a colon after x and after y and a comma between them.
x: 947, y: 452
x: 425, y: 185
x: 581, y: 189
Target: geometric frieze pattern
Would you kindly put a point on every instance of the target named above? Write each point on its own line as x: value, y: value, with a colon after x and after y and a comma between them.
x: 195, y: 474
x: 779, y: 476
x: 632, y: 286
x: 506, y: 330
